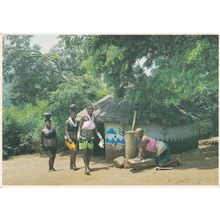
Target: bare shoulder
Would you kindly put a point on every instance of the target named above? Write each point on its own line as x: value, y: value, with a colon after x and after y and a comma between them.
x: 145, y: 139
x: 84, y: 118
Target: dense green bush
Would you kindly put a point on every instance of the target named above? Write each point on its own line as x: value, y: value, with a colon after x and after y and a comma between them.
x: 22, y: 124
x: 21, y: 128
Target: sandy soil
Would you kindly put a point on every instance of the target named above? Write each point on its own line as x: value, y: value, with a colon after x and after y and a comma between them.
x: 200, y: 167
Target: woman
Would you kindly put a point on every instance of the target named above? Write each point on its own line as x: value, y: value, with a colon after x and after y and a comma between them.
x: 49, y: 140
x: 87, y: 128
x: 71, y: 129
x: 158, y: 148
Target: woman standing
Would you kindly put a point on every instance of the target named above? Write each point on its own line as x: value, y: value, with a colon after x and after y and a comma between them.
x: 49, y: 140
x: 71, y: 129
x: 87, y: 128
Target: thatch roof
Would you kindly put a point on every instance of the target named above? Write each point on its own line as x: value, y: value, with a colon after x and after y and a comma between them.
x: 111, y: 109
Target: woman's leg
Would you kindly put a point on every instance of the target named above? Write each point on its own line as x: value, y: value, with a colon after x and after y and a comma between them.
x: 53, y: 159
x: 85, y: 152
x: 89, y: 153
x: 83, y: 146
x: 164, y: 160
x: 50, y: 162
x: 175, y: 161
x: 52, y: 154
x: 73, y: 159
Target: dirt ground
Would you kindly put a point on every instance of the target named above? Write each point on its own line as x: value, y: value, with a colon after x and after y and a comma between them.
x: 200, y: 167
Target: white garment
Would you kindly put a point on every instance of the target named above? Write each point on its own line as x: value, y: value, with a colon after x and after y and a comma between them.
x: 90, y: 124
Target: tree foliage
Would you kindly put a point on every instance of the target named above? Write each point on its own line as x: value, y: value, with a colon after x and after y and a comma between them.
x: 25, y: 69
x: 80, y: 90
x: 174, y: 78
x: 31, y: 77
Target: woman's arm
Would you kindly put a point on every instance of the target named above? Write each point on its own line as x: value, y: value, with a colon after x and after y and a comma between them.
x: 80, y: 127
x: 98, y: 134
x: 55, y: 136
x: 66, y: 131
x: 141, y: 149
x: 96, y: 130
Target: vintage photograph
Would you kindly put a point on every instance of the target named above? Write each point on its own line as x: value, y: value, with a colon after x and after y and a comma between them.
x: 110, y: 110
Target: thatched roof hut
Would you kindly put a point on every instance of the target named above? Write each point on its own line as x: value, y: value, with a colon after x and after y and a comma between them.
x: 115, y: 117
x: 120, y: 110
x: 110, y: 109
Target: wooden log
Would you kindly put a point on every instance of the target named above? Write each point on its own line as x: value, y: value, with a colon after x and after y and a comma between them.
x: 143, y: 164
x: 130, y: 148
x: 208, y: 142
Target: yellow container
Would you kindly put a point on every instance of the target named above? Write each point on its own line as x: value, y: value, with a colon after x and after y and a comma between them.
x: 71, y: 146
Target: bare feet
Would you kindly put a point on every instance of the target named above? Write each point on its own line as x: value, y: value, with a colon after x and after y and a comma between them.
x: 178, y: 161
x: 138, y: 159
x: 87, y: 172
x: 90, y: 169
x: 73, y: 168
x: 51, y: 170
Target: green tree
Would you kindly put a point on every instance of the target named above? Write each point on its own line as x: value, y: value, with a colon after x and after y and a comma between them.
x: 80, y: 90
x: 32, y: 79
x: 174, y: 78
x: 29, y: 72
x: 79, y: 85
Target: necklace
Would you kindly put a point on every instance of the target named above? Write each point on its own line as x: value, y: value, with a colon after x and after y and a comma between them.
x: 48, y: 130
x: 71, y: 121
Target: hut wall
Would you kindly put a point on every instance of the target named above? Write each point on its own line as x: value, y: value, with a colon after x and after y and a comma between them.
x: 157, y: 131
x: 115, y: 136
x: 114, y: 140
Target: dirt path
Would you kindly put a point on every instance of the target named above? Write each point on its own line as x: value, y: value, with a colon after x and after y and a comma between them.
x: 200, y: 168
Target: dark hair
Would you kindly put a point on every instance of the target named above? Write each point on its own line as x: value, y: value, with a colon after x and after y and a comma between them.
x: 89, y: 105
x: 73, y: 107
x: 47, y: 116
